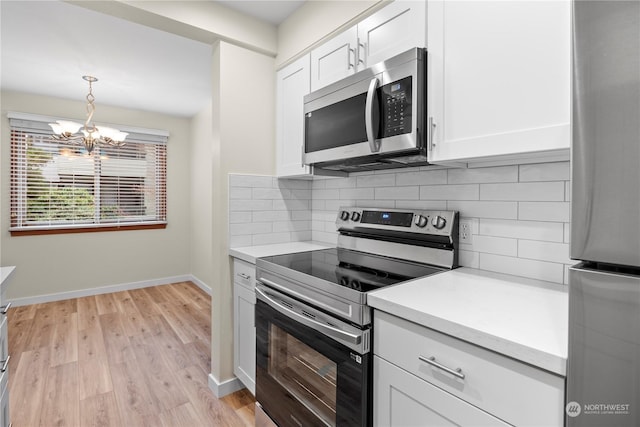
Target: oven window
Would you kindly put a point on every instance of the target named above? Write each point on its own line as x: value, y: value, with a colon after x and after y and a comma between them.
x: 305, y: 373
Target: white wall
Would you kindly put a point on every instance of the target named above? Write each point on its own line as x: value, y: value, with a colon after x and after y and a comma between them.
x: 58, y: 263
x: 243, y: 142
x: 316, y: 21
x: 201, y: 181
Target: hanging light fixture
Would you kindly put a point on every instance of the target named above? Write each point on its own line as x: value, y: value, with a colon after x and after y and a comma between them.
x: 89, y: 135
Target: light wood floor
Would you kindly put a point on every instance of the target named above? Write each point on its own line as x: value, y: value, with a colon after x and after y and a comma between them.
x: 132, y: 358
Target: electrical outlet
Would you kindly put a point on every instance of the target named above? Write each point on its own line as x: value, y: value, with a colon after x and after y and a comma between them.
x: 466, y: 231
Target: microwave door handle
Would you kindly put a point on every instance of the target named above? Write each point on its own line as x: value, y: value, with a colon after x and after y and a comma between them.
x: 374, y: 144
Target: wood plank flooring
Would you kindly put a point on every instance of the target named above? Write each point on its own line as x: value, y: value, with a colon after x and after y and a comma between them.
x: 130, y: 358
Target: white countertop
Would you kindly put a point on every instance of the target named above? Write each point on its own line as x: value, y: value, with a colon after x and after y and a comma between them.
x: 521, y: 318
x: 250, y: 253
x: 5, y: 272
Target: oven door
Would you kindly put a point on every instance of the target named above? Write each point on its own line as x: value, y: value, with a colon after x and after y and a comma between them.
x: 311, y: 368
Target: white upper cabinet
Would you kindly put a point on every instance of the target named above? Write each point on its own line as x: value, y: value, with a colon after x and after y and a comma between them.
x: 397, y: 27
x: 335, y: 59
x: 499, y: 79
x: 392, y: 30
x: 293, y: 83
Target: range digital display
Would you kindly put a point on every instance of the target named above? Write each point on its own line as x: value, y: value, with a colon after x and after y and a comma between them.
x: 397, y: 219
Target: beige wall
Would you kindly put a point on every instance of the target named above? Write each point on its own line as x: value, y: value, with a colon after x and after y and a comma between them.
x: 316, y: 21
x: 58, y: 263
x: 243, y: 142
x: 201, y: 177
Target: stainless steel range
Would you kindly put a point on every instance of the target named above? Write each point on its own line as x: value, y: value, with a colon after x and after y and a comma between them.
x: 313, y: 325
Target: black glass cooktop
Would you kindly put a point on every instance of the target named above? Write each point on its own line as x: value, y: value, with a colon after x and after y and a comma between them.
x: 352, y: 269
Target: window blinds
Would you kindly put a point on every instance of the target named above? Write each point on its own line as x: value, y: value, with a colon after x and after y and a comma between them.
x: 57, y: 185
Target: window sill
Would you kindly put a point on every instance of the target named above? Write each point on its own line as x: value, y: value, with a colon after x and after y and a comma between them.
x: 89, y: 229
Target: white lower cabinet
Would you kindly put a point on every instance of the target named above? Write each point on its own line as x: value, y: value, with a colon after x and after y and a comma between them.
x: 402, y: 399
x: 244, y: 329
x: 419, y: 372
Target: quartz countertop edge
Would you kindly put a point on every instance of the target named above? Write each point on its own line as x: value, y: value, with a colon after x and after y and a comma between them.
x: 251, y: 253
x: 524, y: 319
x: 5, y: 272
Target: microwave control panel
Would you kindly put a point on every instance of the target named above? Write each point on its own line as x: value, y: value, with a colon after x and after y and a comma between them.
x: 396, y: 107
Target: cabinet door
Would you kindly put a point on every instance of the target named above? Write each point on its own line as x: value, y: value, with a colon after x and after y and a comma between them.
x: 499, y: 78
x: 394, y: 29
x: 402, y: 399
x: 244, y: 336
x: 293, y: 83
x: 334, y: 59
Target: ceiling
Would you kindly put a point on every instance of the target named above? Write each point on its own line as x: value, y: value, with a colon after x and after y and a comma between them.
x: 47, y: 46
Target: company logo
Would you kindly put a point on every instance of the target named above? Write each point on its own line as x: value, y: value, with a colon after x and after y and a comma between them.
x: 573, y: 409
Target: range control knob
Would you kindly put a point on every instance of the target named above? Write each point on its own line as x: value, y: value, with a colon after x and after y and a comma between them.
x: 438, y: 222
x: 355, y: 216
x: 421, y: 221
x: 344, y: 215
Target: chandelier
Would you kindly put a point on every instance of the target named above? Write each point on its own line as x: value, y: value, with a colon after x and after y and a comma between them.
x: 88, y: 135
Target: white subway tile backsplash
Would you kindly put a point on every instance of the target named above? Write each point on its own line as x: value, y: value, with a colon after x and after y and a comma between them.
x: 386, y: 180
x: 250, y: 228
x: 240, y: 241
x: 450, y: 192
x: 483, y: 175
x: 326, y: 194
x: 544, y: 211
x: 271, y: 238
x: 545, y: 251
x: 559, y: 171
x: 250, y: 205
x: 567, y: 233
x: 469, y: 259
x: 240, y: 217
x: 522, y: 211
x: 534, y: 269
x: 495, y: 245
x: 485, y: 209
x: 427, y: 205
x: 421, y: 177
x: 530, y: 191
x: 532, y: 230
x: 397, y: 193
x: 383, y: 204
x: 270, y: 193
x: 356, y: 193
x: 240, y: 193
x: 349, y: 182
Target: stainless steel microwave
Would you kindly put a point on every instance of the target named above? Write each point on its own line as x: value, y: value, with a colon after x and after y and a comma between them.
x: 374, y: 119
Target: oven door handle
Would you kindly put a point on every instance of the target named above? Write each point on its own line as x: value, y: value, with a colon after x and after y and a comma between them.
x: 313, y: 324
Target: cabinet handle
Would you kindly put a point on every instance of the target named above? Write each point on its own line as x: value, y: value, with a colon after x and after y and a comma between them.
x: 432, y: 361
x: 361, y: 47
x: 5, y: 364
x: 5, y: 308
x: 349, y: 62
x: 244, y: 276
x: 432, y: 129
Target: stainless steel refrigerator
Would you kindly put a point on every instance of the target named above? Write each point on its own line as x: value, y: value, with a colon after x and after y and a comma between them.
x: 603, y: 371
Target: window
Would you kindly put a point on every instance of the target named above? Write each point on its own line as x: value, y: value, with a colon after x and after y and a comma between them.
x: 58, y: 187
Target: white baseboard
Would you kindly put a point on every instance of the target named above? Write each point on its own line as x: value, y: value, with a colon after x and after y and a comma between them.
x: 103, y: 290
x: 201, y: 284
x: 221, y: 389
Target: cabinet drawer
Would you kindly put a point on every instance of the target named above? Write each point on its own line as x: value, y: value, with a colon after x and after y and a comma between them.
x: 4, y: 340
x: 512, y: 391
x: 244, y: 273
x: 5, y: 421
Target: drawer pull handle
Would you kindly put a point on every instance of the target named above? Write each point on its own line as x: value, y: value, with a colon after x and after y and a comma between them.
x: 432, y: 361
x: 5, y: 308
x: 5, y: 364
x: 244, y: 276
